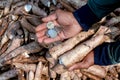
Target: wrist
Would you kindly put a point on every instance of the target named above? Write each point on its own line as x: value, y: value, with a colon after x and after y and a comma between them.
x: 85, y: 17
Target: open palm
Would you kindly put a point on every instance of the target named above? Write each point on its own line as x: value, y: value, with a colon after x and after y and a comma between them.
x: 62, y: 19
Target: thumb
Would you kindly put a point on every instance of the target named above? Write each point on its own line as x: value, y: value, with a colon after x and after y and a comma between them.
x: 78, y: 66
x: 50, y: 18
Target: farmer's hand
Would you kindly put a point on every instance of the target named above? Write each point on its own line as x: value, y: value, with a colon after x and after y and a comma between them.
x: 87, y: 62
x: 70, y: 27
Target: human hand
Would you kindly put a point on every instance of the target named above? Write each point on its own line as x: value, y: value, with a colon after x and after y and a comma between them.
x: 87, y: 62
x: 70, y: 27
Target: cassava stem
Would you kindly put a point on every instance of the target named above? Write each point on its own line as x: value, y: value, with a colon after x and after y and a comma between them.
x: 25, y: 67
x: 9, y: 74
x: 16, y: 42
x: 32, y: 47
x: 31, y: 75
x: 60, y: 49
x: 34, y: 20
x: 68, y: 7
x: 97, y: 71
x: 113, y: 21
x: 80, y: 51
x: 38, y: 73
x: 65, y: 76
x: 27, y: 25
x: 3, y: 27
x: 30, y: 60
x: 38, y: 11
x: 91, y: 76
x: 12, y: 29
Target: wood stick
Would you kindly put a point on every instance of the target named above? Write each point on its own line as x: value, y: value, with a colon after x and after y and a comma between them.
x: 38, y: 11
x: 2, y: 3
x: 12, y: 30
x: 38, y: 73
x: 76, y: 3
x: 34, y: 20
x: 17, y: 4
x: 25, y: 67
x: 27, y: 25
x: 97, y: 71
x: 84, y: 77
x: 59, y: 69
x: 16, y: 42
x: 30, y: 60
x: 4, y: 48
x: 32, y: 47
x: 21, y: 75
x: 50, y: 59
x: 31, y: 75
x: 68, y: 7
x: 78, y: 73
x: 113, y: 71
x: 4, y: 40
x: 113, y: 21
x: 65, y: 76
x: 91, y: 76
x: 52, y: 73
x: 45, y: 71
x: 60, y: 49
x: 9, y: 74
x: 3, y: 27
x: 7, y: 8
x: 80, y: 51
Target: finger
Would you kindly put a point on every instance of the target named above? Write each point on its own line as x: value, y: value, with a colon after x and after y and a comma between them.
x: 41, y: 33
x: 78, y: 66
x: 56, y: 23
x: 60, y: 36
x: 40, y: 39
x: 41, y: 27
x: 50, y: 40
x: 50, y: 18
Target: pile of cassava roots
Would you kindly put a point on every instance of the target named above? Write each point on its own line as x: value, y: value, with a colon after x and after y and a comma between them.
x: 23, y: 58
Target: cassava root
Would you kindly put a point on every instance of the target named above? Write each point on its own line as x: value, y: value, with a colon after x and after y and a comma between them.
x: 22, y: 58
